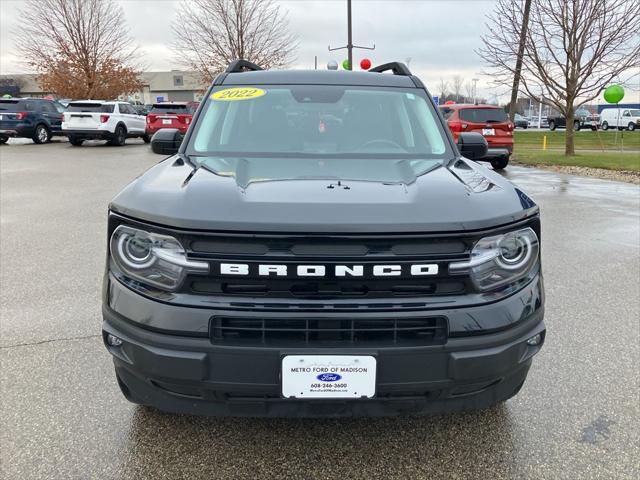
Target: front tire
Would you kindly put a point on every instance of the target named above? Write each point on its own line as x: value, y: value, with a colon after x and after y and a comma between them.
x: 41, y: 135
x: 605, y: 126
x: 4, y: 139
x: 576, y: 126
x: 119, y: 137
x: 631, y: 126
x: 500, y: 163
x: 552, y: 125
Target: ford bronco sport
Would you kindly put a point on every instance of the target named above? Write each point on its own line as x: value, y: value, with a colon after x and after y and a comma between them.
x: 317, y: 245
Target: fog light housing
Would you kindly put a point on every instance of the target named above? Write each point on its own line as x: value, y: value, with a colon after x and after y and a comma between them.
x: 113, y: 340
x: 535, y: 340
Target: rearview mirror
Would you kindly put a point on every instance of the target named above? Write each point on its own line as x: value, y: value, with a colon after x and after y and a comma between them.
x: 166, y: 141
x: 472, y: 145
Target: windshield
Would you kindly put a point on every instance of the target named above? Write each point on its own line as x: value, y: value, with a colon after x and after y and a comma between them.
x: 90, y: 107
x: 483, y: 115
x: 319, y: 132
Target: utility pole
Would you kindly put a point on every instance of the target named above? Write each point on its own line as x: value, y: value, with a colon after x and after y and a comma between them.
x: 516, y: 74
x: 350, y: 46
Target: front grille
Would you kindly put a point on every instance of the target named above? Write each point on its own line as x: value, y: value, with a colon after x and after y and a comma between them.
x: 329, y: 331
x: 326, y: 251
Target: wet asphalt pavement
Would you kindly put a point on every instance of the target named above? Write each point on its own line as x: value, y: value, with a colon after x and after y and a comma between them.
x: 63, y: 416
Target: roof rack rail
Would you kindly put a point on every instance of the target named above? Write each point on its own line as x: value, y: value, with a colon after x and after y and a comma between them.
x: 396, y: 67
x: 242, y: 65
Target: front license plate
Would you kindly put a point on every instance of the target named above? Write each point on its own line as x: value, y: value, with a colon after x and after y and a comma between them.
x: 488, y: 132
x: 328, y: 376
x: 166, y: 122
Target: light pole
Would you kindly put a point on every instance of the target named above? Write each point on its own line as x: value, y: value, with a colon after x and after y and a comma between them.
x: 540, y: 110
x: 350, y: 46
x: 475, y: 82
x: 349, y: 36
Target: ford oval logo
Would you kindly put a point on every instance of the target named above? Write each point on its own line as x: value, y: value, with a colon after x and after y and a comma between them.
x: 329, y: 377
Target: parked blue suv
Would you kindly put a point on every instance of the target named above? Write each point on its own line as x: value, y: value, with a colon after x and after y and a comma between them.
x: 35, y: 118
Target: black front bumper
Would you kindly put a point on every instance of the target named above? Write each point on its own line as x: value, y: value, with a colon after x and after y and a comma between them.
x: 194, y: 375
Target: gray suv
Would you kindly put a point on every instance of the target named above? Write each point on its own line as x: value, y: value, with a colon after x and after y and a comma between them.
x: 317, y: 245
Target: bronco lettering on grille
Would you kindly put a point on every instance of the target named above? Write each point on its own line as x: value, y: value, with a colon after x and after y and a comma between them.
x: 276, y: 270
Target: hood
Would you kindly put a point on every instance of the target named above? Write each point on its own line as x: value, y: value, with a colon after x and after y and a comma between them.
x: 463, y: 196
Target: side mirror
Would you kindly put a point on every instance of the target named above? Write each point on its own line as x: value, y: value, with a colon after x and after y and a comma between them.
x: 472, y: 145
x: 166, y: 141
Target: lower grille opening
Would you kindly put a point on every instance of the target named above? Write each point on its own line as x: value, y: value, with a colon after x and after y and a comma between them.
x: 369, y: 331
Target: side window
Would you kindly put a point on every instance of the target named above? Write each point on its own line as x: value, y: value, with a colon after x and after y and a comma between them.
x: 626, y: 113
x: 447, y: 112
x: 29, y: 106
x: 123, y: 108
x: 48, y: 107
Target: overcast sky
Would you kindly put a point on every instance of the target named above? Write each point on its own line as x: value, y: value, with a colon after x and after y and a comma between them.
x: 438, y: 36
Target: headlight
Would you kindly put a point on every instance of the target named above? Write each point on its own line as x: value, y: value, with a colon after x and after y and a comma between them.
x: 500, y: 260
x: 151, y: 258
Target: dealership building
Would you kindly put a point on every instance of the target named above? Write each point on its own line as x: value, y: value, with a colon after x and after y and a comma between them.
x: 175, y: 85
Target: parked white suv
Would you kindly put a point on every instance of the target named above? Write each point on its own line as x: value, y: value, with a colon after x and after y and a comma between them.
x: 98, y: 120
x: 613, y: 117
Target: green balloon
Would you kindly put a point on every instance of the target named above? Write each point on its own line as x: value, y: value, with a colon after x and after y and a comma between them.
x: 614, y: 94
x: 345, y: 65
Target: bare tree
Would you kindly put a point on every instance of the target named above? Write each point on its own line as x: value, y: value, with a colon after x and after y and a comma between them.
x: 470, y: 92
x: 443, y: 87
x: 80, y: 48
x: 210, y: 34
x: 456, y: 86
x: 573, y: 50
